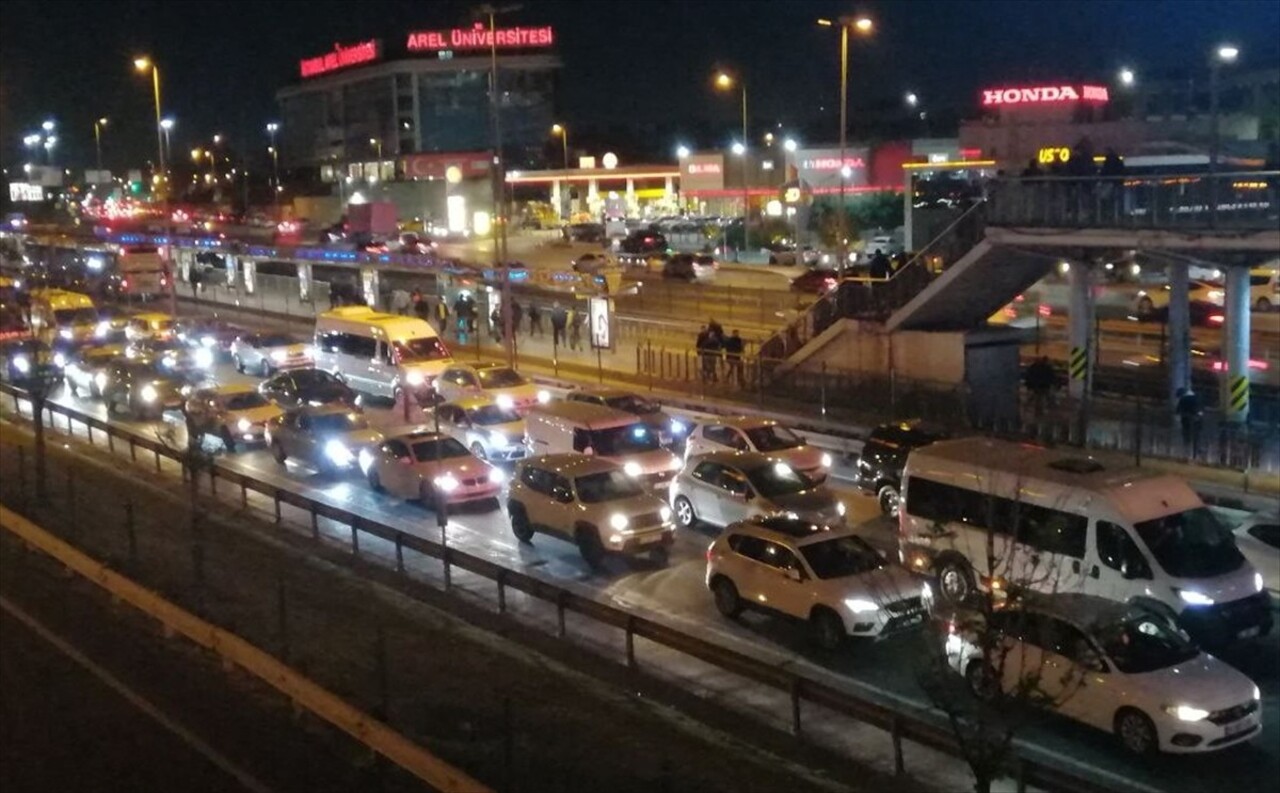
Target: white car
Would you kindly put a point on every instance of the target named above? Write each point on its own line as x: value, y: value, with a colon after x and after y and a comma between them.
x: 1258, y: 538
x: 232, y: 413
x: 748, y: 434
x: 725, y: 487
x: 591, y: 502
x: 423, y: 465
x: 264, y: 354
x: 509, y: 388
x: 1264, y: 286
x: 490, y: 431
x: 1117, y: 667
x: 824, y: 575
x: 1148, y: 301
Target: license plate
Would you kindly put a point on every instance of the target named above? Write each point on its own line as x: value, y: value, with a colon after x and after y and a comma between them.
x: 1243, y: 725
x: 1249, y: 633
x: 650, y: 540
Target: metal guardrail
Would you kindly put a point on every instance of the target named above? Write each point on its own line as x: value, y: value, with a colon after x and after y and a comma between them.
x: 800, y: 688
x: 329, y: 707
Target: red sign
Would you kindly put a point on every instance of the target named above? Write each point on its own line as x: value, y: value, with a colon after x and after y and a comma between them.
x: 480, y: 38
x: 340, y: 58
x: 702, y: 167
x: 831, y: 163
x: 470, y: 164
x: 1044, y: 94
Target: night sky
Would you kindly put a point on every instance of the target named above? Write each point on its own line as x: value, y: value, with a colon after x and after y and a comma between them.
x: 222, y: 61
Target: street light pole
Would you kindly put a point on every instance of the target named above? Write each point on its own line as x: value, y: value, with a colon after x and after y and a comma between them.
x: 563, y: 132
x: 1224, y: 54
x: 97, y: 138
x: 746, y: 184
x: 499, y: 183
x: 861, y: 25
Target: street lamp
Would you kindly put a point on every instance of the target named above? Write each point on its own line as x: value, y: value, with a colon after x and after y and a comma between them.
x: 145, y: 64
x: 559, y: 129
x: 682, y: 151
x: 272, y: 128
x: 97, y: 138
x: 724, y: 82
x: 912, y: 99
x: 1225, y: 54
x: 166, y: 125
x: 49, y: 143
x: 738, y: 148
x: 789, y: 144
x: 1127, y: 77
x: 863, y: 26
x: 48, y: 126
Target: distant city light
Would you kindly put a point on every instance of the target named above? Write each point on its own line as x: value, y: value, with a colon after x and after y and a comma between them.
x: 789, y: 144
x: 1227, y: 53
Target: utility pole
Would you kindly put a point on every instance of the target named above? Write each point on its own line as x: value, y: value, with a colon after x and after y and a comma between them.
x: 499, y: 181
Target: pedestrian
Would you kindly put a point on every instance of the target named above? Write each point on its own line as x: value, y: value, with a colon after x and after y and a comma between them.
x: 535, y: 320
x: 422, y: 308
x: 495, y: 324
x: 472, y: 312
x: 1189, y: 413
x: 708, y: 350
x: 1038, y: 380
x: 400, y: 301
x: 880, y: 268
x: 559, y: 320
x: 717, y: 332
x: 733, y: 347
x: 574, y: 320
x: 194, y: 278
x: 517, y: 314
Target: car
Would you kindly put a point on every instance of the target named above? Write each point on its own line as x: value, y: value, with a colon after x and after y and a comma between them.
x: 1258, y: 538
x: 727, y: 486
x: 590, y: 263
x: 141, y: 387
x: 643, y: 241
x: 21, y: 359
x: 327, y: 437
x: 591, y: 502
x: 173, y: 355
x: 1264, y: 286
x: 1118, y: 667
x: 235, y: 414
x: 150, y: 325
x: 824, y: 575
x: 211, y: 334
x: 413, y: 243
x: 266, y: 353
x: 491, y: 431
x: 112, y: 328
x: 508, y: 387
x: 430, y: 467
x: 584, y: 232
x: 749, y: 434
x: 783, y: 254
x: 82, y: 367
x: 302, y: 387
x: 670, y: 430
x: 1147, y: 302
x: 816, y: 281
x: 690, y: 267
x: 884, y: 454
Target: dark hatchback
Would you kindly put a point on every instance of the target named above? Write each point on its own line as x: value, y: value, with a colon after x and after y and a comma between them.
x: 883, y: 457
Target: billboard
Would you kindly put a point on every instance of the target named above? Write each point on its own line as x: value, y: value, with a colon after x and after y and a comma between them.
x: 469, y: 165
x: 479, y: 37
x: 23, y: 191
x: 97, y: 177
x: 702, y: 172
x: 599, y: 314
x: 341, y: 58
x: 819, y: 169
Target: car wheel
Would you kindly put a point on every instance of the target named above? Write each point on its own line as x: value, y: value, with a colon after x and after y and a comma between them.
x: 520, y: 523
x: 478, y: 450
x: 228, y: 440
x: 955, y: 581
x: 589, y: 546
x: 277, y: 451
x: 726, y: 596
x: 1145, y: 306
x: 1136, y: 732
x: 428, y: 495
x: 828, y: 630
x: 981, y: 679
x: 375, y: 484
x: 888, y: 499
x: 1263, y: 304
x: 239, y: 364
x: 684, y: 512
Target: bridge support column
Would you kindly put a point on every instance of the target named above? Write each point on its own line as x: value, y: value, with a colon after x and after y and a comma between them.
x: 304, y: 282
x: 185, y: 260
x: 1235, y: 396
x: 231, y: 270
x: 369, y: 285
x: 250, y: 275
x: 1179, y: 331
x: 1080, y: 319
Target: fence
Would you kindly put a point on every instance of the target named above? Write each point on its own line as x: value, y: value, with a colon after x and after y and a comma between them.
x: 797, y: 688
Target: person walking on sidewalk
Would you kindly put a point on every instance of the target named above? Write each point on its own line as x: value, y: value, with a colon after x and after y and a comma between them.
x: 517, y: 314
x: 535, y: 320
x: 733, y: 347
x: 559, y: 319
x: 495, y: 324
x: 1189, y: 414
x: 574, y: 320
x: 1039, y: 382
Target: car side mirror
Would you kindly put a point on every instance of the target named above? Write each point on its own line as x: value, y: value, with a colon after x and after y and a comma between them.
x: 405, y: 460
x: 588, y: 450
x: 795, y: 574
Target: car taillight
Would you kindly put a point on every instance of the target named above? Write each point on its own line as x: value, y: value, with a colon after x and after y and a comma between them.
x: 1216, y: 319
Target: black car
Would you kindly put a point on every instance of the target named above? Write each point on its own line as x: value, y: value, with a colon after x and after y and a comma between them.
x: 141, y: 387
x: 302, y: 387
x: 643, y: 241
x: 883, y: 457
x: 584, y: 232
x: 817, y: 281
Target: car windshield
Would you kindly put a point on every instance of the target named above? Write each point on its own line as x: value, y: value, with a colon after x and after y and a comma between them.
x: 623, y: 440
x: 338, y: 422
x: 490, y: 415
x: 1144, y: 643
x: 441, y: 448
x: 76, y: 316
x: 246, y: 401
x: 423, y: 349
x: 778, y: 479
x: 500, y: 377
x: 1191, y: 544
x: 607, y: 486
x: 277, y: 340
x: 772, y: 438
x: 841, y: 557
x: 631, y: 403
x: 311, y: 378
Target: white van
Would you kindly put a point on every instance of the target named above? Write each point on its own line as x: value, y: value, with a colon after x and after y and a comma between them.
x: 59, y: 315
x: 563, y: 427
x: 376, y: 353
x: 1061, y: 522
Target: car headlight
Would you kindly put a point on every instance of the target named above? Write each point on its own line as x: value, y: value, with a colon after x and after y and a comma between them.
x: 826, y: 460
x: 1257, y: 581
x: 102, y: 330
x: 203, y: 358
x: 415, y: 379
x: 278, y: 356
x: 678, y: 427
x: 21, y: 363
x: 337, y: 452
x: 505, y: 401
x: 185, y: 390
x: 365, y: 460
x: 1194, y: 598
x: 207, y: 341
x: 632, y: 469
x: 665, y: 513
x: 149, y: 393
x: 244, y: 425
x: 1186, y: 712
x: 100, y: 380
x: 860, y: 605
x: 59, y: 360
x: 447, y: 483
x: 497, y: 476
x: 544, y: 396
x: 66, y: 333
x: 619, y: 521
x: 497, y: 438
x: 841, y: 508
x: 1257, y: 692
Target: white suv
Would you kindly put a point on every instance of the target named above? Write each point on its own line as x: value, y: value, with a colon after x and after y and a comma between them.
x: 1116, y: 667
x: 592, y: 502
x: 827, y: 576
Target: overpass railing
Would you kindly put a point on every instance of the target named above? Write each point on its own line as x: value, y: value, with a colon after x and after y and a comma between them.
x: 1237, y: 201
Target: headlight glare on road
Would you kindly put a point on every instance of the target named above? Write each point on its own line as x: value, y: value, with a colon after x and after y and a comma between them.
x: 618, y: 521
x: 365, y: 460
x: 447, y: 483
x: 149, y: 393
x: 244, y: 425
x: 544, y: 396
x: 203, y: 358
x: 1186, y: 712
x: 632, y: 469
x: 338, y: 453
x: 860, y: 605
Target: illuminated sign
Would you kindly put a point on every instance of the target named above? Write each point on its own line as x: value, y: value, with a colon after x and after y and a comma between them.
x: 831, y: 163
x: 1044, y: 94
x: 22, y: 191
x: 340, y: 58
x: 480, y: 38
x: 598, y: 311
x: 703, y: 167
x: 1049, y: 155
x: 468, y: 165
